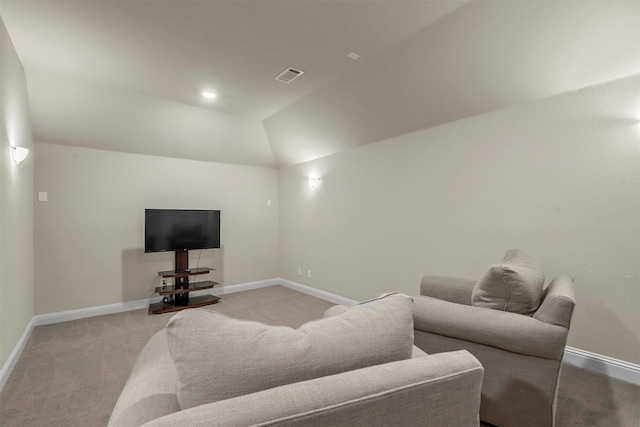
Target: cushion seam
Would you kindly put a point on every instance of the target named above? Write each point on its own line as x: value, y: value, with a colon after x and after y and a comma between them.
x: 529, y: 354
x: 504, y: 283
x: 367, y: 397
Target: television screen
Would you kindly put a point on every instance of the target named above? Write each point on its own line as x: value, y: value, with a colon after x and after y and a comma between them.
x: 178, y: 230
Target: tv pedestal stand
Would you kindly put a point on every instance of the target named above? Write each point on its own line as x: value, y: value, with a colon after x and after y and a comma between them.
x: 176, y: 297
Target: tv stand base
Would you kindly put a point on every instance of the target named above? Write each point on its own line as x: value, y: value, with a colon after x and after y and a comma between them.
x: 167, y: 307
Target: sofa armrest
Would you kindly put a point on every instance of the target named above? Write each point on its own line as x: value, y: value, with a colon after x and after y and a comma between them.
x: 150, y: 390
x: 436, y: 390
x: 558, y: 302
x: 335, y: 310
x: 450, y: 289
x: 513, y: 332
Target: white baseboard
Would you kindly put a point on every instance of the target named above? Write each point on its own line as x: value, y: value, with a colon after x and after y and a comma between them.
x: 604, y: 365
x: 8, y: 366
x: 100, y: 310
x: 336, y: 299
x: 229, y: 289
x: 608, y: 366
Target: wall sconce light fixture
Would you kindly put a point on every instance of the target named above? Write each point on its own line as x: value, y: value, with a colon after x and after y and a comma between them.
x: 18, y: 154
x: 314, y: 183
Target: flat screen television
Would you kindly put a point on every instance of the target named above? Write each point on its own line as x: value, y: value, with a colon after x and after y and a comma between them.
x: 181, y: 229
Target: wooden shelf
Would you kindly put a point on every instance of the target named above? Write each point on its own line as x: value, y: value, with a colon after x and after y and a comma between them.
x: 201, y: 301
x: 191, y: 272
x: 177, y: 297
x: 198, y: 286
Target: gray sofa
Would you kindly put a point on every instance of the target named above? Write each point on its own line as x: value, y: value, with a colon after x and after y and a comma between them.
x: 417, y: 389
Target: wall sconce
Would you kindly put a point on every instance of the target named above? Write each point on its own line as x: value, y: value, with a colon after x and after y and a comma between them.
x: 314, y: 183
x: 18, y: 154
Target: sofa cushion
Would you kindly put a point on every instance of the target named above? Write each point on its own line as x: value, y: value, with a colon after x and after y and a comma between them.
x: 218, y: 357
x: 514, y: 285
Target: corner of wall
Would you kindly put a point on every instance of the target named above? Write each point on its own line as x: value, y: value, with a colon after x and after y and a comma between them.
x: 16, y: 203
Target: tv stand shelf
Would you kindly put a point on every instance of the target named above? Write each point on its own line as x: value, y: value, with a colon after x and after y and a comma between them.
x: 177, y: 297
x: 172, y: 290
x: 184, y: 273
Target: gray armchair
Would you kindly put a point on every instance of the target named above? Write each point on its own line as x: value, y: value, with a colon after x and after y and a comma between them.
x: 521, y: 354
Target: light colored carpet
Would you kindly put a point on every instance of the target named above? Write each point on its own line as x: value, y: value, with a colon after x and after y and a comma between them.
x: 71, y: 373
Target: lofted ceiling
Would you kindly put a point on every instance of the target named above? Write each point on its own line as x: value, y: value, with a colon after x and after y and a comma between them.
x: 127, y: 75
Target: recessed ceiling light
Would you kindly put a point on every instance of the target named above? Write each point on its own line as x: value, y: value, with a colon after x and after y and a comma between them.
x: 353, y: 56
x: 209, y: 95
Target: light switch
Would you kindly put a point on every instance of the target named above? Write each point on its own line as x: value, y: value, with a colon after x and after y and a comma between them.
x: 42, y: 196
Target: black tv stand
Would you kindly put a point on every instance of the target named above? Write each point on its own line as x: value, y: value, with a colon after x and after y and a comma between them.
x: 176, y: 297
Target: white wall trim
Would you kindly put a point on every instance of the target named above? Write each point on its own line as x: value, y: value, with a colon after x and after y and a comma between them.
x: 229, y: 289
x: 100, y: 310
x: 8, y: 366
x: 328, y: 296
x: 604, y: 365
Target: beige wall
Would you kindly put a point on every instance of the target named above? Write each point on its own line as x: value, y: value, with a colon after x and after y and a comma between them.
x: 16, y: 202
x: 89, y: 247
x: 558, y: 178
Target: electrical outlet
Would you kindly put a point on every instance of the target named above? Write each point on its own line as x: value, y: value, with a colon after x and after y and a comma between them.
x: 309, y: 274
x: 299, y: 271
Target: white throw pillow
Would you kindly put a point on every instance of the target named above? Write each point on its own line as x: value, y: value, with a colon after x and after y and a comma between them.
x: 218, y: 357
x: 514, y: 285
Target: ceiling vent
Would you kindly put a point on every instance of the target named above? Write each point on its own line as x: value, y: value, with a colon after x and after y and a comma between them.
x: 288, y: 75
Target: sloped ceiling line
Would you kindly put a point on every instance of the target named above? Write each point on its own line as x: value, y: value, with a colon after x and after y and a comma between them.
x: 126, y: 76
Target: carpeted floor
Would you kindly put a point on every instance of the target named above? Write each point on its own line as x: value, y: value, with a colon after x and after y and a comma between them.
x: 71, y: 373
